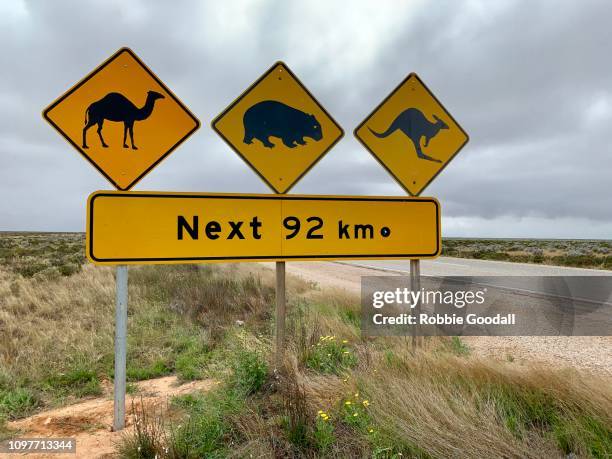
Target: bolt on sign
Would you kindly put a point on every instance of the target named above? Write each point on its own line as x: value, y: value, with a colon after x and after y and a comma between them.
x: 278, y: 128
x: 150, y: 228
x: 412, y: 135
x: 122, y: 119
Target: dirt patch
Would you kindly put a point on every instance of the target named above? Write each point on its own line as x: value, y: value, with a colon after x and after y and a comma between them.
x: 90, y: 422
x: 591, y: 353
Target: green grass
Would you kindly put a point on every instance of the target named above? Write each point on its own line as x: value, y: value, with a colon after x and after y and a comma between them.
x: 330, y: 356
x: 193, y: 359
x: 17, y: 402
x: 323, y: 435
x: 207, y: 428
x: 250, y: 371
x: 157, y: 369
x: 458, y: 347
x: 78, y: 382
x: 525, y: 410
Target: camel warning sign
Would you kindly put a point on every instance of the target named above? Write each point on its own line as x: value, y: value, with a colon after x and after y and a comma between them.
x: 412, y: 135
x: 122, y: 119
x: 278, y: 128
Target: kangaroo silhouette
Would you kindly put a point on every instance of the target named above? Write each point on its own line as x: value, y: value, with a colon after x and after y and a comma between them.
x: 117, y: 107
x: 415, y: 125
x: 273, y: 118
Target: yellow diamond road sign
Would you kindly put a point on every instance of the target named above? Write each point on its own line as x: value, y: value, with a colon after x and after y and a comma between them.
x: 122, y: 119
x: 412, y: 135
x: 278, y: 128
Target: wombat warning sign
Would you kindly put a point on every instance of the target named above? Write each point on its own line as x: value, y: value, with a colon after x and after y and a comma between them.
x: 412, y: 135
x: 278, y: 128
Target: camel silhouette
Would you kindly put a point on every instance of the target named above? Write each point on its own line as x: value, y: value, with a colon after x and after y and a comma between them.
x: 117, y: 107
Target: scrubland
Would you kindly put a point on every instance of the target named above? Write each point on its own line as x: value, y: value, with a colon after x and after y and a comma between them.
x: 574, y: 253
x: 335, y: 395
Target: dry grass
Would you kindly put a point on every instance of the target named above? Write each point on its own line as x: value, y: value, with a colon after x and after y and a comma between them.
x: 56, y: 335
x: 444, y: 405
x: 44, y: 322
x: 438, y: 402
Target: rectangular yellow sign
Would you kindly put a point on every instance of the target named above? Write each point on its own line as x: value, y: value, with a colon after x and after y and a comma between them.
x: 155, y: 227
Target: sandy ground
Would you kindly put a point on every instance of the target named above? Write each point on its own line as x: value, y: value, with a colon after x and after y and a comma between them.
x: 590, y: 353
x: 90, y: 422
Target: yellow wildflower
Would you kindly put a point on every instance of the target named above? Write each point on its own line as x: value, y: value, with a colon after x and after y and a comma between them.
x: 344, y: 341
x: 366, y: 403
x: 348, y: 402
x: 355, y: 414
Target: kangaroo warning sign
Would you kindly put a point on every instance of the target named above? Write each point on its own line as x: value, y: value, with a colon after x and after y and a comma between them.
x: 278, y: 128
x: 412, y: 135
x: 148, y: 228
x: 122, y: 119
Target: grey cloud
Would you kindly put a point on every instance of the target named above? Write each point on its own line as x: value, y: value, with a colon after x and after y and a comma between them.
x: 529, y: 81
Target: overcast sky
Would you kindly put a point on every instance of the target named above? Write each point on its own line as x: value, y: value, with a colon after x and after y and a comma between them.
x: 531, y: 83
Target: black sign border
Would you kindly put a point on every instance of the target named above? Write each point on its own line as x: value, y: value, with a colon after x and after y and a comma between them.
x: 93, y: 197
x: 248, y: 90
x: 367, y: 118
x: 87, y: 78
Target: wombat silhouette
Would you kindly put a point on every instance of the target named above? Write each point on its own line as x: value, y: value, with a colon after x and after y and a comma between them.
x: 271, y: 118
x: 415, y: 125
x: 117, y: 107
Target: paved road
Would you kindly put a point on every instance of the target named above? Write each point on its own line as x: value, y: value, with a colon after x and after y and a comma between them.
x: 506, y: 276
x: 445, y: 266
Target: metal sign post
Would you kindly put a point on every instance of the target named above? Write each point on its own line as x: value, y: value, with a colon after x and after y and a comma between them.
x: 281, y: 311
x: 120, y: 347
x: 415, y: 286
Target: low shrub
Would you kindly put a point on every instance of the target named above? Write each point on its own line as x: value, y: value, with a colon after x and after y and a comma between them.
x: 17, y: 403
x: 250, y: 371
x: 330, y: 355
